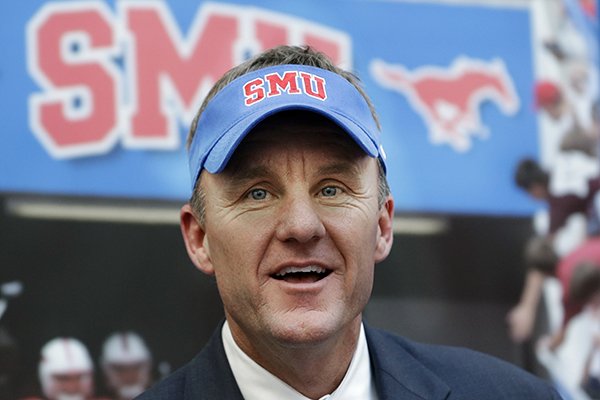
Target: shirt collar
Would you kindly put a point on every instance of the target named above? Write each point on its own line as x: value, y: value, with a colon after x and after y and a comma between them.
x: 256, y: 383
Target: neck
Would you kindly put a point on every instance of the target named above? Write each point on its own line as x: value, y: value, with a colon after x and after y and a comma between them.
x: 313, y: 370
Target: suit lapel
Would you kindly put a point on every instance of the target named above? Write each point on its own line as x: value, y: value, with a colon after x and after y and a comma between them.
x: 210, y: 375
x: 397, y: 374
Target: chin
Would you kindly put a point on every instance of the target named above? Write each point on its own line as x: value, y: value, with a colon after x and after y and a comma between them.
x: 308, y: 330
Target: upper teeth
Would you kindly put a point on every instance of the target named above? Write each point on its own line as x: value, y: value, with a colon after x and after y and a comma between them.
x: 310, y: 268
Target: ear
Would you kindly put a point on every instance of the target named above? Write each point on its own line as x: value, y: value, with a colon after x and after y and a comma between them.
x: 385, y: 231
x: 194, y: 237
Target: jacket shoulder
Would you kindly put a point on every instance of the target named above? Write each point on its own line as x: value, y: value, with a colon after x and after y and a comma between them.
x: 171, y: 387
x: 207, y: 376
x: 468, y: 373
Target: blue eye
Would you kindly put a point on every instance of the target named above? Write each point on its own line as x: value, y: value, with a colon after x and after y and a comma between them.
x: 258, y: 194
x: 329, y: 191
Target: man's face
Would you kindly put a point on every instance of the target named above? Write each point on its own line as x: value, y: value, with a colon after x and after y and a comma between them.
x: 555, y: 109
x: 128, y: 380
x: 292, y: 231
x: 538, y: 191
x: 594, y: 301
x: 71, y: 386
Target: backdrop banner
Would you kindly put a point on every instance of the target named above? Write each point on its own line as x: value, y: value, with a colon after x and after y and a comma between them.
x: 96, y: 96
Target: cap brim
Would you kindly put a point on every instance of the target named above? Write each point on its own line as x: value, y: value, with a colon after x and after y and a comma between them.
x: 222, y: 151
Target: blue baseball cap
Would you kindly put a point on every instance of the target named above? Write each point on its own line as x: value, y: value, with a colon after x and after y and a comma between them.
x: 235, y: 110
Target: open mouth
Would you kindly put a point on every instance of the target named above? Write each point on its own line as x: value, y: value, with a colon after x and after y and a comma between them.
x: 309, y: 274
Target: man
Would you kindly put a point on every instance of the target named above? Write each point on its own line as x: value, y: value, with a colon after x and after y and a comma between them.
x: 66, y: 370
x: 557, y: 119
x: 570, y: 353
x: 564, y: 200
x: 568, y: 192
x: 290, y: 211
x: 579, y: 275
x: 549, y: 98
x: 126, y: 364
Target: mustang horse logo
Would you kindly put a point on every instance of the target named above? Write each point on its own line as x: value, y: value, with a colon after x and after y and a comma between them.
x: 449, y: 99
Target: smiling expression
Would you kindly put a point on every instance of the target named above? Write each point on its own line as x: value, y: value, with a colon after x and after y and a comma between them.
x: 293, y: 229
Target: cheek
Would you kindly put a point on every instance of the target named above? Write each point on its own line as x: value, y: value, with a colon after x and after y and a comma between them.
x: 228, y: 240
x: 235, y: 251
x: 366, y: 285
x: 359, y: 286
x: 356, y: 233
x: 356, y: 241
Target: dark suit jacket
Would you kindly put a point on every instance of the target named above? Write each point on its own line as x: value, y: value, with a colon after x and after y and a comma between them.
x: 402, y: 370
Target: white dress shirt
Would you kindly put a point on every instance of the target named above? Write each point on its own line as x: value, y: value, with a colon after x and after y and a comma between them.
x: 256, y: 383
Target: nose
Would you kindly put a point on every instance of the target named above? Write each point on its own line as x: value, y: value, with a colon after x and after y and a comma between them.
x: 299, y: 220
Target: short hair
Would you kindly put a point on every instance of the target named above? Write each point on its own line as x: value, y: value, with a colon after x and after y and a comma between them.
x: 585, y: 282
x: 529, y: 173
x: 278, y: 56
x: 540, y: 255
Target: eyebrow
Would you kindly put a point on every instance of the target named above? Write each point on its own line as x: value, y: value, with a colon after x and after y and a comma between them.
x: 240, y: 175
x: 343, y: 167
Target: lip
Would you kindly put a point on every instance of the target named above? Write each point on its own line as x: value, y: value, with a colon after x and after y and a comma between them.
x: 302, y: 287
x: 300, y: 264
